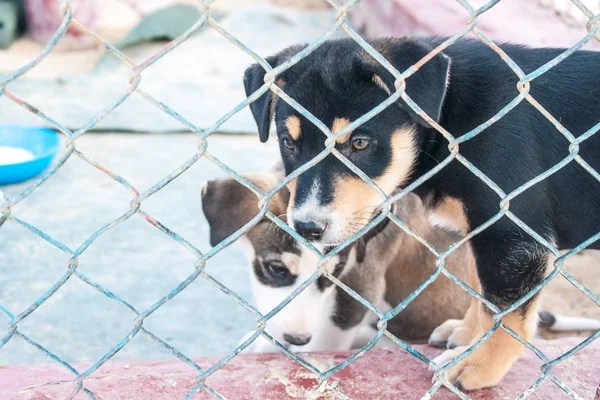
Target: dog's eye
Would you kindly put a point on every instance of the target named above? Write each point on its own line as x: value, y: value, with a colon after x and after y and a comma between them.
x: 288, y: 143
x: 277, y: 270
x: 360, y: 143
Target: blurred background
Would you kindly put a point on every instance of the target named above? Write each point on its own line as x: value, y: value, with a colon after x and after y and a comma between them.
x: 201, y: 80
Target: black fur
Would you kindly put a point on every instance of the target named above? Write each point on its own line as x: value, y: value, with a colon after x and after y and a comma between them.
x: 348, y: 312
x: 334, y: 82
x: 253, y: 80
x: 323, y: 282
x: 547, y: 320
x: 268, y: 278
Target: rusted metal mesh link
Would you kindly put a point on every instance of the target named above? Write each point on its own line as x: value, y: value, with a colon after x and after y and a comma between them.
x: 198, y: 270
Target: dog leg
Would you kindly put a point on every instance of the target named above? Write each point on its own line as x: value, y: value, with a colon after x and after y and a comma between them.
x: 440, y: 335
x: 488, y: 364
x: 459, y: 332
x: 520, y: 269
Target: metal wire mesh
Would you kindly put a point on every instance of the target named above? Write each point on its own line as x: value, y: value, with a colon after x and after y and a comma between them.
x: 137, y: 70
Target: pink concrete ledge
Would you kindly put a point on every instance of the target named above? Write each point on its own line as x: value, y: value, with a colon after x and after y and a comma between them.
x: 380, y: 374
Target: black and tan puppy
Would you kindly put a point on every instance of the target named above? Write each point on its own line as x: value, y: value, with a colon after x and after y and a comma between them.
x: 460, y: 89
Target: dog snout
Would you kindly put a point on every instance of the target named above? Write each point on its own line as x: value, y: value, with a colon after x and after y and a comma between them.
x: 310, y: 230
x: 297, y: 339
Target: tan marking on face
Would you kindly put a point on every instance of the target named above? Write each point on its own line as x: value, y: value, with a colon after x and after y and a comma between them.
x: 403, y: 159
x: 356, y: 200
x: 292, y: 123
x: 452, y: 210
x: 338, y: 125
x: 292, y: 188
x: 379, y: 82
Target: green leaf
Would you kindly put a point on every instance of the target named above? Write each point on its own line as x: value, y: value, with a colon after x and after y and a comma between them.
x: 165, y: 24
x: 8, y: 24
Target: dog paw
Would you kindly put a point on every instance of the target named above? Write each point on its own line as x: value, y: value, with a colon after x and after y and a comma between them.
x: 462, y: 336
x: 446, y: 357
x: 440, y: 336
x: 471, y: 373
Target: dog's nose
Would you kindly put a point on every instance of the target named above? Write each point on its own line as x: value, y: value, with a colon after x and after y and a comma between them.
x: 297, y: 340
x: 309, y: 230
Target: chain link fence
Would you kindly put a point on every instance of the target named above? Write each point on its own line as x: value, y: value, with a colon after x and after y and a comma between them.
x: 136, y: 209
x: 569, y: 12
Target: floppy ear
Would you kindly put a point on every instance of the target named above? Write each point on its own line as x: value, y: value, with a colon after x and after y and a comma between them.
x: 426, y: 87
x: 361, y: 250
x: 228, y: 205
x: 263, y: 108
x: 361, y: 243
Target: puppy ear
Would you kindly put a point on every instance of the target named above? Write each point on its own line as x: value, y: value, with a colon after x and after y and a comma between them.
x: 361, y: 250
x: 263, y: 108
x: 228, y: 205
x: 361, y: 243
x: 427, y: 87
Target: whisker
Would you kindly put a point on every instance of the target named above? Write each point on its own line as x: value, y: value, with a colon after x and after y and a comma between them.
x: 430, y: 156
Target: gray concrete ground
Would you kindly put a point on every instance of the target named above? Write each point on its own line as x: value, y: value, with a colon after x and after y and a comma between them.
x: 134, y: 260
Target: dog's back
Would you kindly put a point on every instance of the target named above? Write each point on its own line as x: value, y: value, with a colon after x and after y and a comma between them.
x: 525, y: 143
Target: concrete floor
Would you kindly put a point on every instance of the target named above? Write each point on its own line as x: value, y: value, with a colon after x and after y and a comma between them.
x: 134, y: 260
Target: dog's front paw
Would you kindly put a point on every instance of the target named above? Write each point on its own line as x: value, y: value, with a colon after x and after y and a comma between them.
x: 452, y: 333
x: 476, y: 371
x: 440, y: 336
x: 448, y: 356
x: 462, y: 336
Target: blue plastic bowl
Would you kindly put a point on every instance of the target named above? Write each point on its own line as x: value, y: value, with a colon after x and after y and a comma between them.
x: 42, y: 142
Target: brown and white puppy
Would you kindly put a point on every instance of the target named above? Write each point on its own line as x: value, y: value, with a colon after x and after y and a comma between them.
x: 384, y: 269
